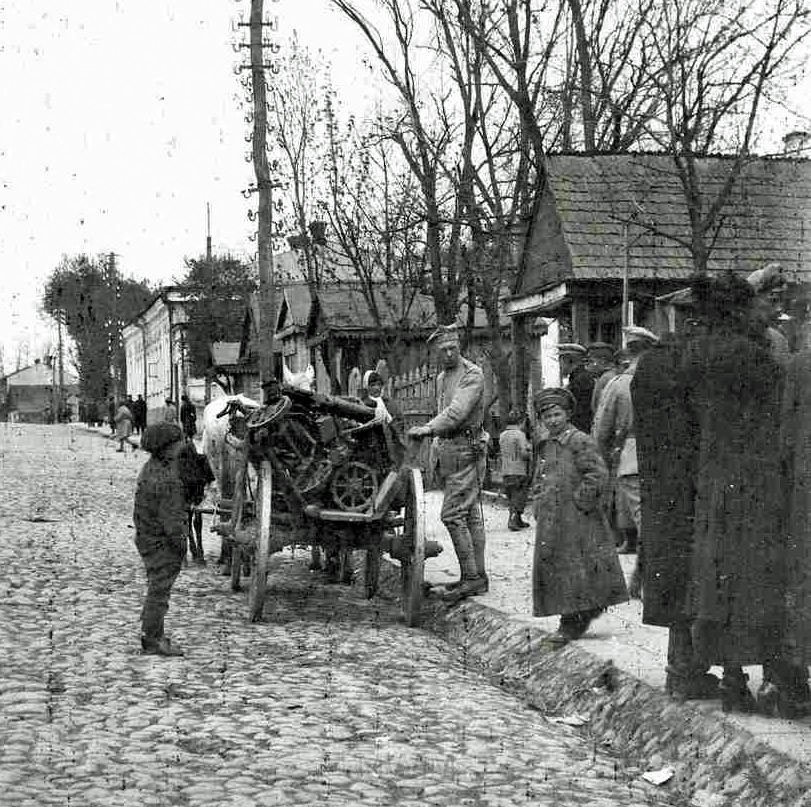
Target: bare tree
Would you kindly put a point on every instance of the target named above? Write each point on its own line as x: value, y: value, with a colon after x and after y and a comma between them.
x: 716, y: 66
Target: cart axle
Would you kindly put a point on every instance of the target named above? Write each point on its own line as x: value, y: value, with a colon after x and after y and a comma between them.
x: 401, y: 550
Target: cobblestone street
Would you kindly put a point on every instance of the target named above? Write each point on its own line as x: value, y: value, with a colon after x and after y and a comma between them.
x: 331, y: 701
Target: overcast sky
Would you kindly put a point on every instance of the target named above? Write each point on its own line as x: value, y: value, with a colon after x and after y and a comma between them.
x: 120, y: 120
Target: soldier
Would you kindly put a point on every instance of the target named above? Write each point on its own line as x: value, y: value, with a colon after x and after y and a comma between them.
x: 461, y: 453
x: 160, y: 517
x: 602, y: 366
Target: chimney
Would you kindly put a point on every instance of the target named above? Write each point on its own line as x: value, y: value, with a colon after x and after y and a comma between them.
x: 794, y: 143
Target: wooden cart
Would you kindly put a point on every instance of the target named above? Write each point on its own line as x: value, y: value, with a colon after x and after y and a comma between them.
x: 323, y: 471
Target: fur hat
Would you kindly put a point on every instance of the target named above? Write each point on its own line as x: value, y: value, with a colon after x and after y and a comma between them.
x: 159, y: 436
x: 554, y: 396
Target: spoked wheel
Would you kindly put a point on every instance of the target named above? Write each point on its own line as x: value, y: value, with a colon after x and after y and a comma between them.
x: 256, y: 596
x: 241, y: 492
x: 371, y: 575
x: 414, y: 541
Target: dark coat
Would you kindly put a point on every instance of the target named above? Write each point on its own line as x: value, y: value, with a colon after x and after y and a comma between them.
x: 581, y: 385
x: 796, y: 439
x: 667, y: 440
x: 195, y: 474
x: 738, y: 577
x: 575, y: 567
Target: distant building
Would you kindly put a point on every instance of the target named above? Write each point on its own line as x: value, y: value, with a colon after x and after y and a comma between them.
x: 31, y: 394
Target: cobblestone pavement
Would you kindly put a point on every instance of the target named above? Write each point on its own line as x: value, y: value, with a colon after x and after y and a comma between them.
x: 332, y: 701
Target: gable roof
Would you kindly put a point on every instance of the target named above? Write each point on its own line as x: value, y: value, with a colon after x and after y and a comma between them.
x: 294, y: 307
x: 40, y: 374
x: 767, y: 218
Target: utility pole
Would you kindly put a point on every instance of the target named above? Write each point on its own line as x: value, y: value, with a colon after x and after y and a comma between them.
x: 267, y: 292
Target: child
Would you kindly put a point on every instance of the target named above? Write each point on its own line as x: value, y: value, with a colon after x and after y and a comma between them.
x: 515, y: 451
x: 575, y: 570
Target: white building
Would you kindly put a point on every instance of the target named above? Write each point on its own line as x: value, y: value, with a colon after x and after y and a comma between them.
x: 154, y: 345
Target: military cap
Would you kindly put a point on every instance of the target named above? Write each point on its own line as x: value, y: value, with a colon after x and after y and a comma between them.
x: 444, y: 335
x: 159, y: 436
x: 571, y: 349
x: 600, y: 347
x: 635, y: 333
x: 554, y: 396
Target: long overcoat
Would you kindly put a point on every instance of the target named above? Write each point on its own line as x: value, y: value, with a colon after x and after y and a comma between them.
x: 667, y: 440
x: 738, y: 576
x: 796, y: 438
x: 575, y: 566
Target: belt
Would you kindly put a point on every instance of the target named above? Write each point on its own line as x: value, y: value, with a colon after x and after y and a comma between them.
x: 464, y: 436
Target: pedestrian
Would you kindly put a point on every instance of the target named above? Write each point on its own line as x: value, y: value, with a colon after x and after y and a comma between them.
x: 388, y: 410
x: 139, y: 419
x: 667, y: 456
x: 579, y: 381
x: 575, y: 569
x: 602, y: 366
x: 460, y: 449
x: 795, y: 695
x: 195, y: 474
x: 516, y: 452
x: 738, y: 580
x: 614, y: 434
x: 160, y: 517
x: 123, y: 427
x: 188, y: 417
x: 169, y: 411
x: 111, y: 410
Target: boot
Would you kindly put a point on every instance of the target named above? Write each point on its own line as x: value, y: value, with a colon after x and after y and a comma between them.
x: 522, y: 525
x: 690, y: 687
x: 159, y: 647
x: 479, y: 541
x: 512, y: 523
x: 467, y: 588
x: 735, y: 693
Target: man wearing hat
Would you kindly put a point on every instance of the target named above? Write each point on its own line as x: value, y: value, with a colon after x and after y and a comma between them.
x: 614, y: 432
x: 160, y: 518
x: 579, y: 381
x: 461, y: 453
x: 602, y: 367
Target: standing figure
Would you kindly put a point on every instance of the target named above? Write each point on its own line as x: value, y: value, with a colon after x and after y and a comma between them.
x: 160, y: 517
x: 516, y: 452
x: 738, y: 579
x: 461, y: 445
x: 123, y: 427
x: 667, y: 440
x: 196, y: 475
x: 602, y: 366
x: 188, y: 417
x: 170, y: 412
x: 139, y: 414
x: 575, y: 569
x: 579, y: 381
x: 614, y: 433
x: 111, y: 409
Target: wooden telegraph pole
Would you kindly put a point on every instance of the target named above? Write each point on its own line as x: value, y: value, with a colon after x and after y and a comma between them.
x: 267, y: 301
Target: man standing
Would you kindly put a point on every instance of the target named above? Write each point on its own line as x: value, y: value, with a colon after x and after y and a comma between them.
x: 602, y: 366
x: 579, y: 381
x: 461, y: 452
x: 188, y: 417
x: 139, y: 414
x: 614, y: 432
x: 516, y: 452
x: 160, y: 518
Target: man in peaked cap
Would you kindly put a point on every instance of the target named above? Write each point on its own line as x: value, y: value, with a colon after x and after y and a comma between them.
x: 579, y: 381
x: 602, y: 367
x: 614, y: 432
x: 160, y: 519
x: 461, y: 444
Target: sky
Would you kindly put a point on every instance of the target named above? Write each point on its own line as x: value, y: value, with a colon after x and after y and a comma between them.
x: 120, y: 120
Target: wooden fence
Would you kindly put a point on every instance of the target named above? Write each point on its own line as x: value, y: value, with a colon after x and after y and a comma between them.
x: 415, y: 392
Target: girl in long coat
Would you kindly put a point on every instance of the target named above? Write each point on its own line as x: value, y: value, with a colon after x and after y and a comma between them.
x: 576, y: 571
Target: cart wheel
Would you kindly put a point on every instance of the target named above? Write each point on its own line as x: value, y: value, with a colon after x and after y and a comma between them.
x: 256, y: 596
x: 414, y: 538
x: 372, y: 570
x: 236, y: 566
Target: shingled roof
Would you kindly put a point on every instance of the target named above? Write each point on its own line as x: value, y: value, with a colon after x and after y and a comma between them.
x: 767, y: 218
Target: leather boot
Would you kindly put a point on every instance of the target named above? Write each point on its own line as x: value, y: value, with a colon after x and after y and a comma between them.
x: 522, y: 525
x: 479, y: 541
x: 468, y: 588
x: 159, y: 647
x: 512, y: 523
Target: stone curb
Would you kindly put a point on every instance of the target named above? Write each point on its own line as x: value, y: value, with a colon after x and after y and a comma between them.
x: 716, y: 762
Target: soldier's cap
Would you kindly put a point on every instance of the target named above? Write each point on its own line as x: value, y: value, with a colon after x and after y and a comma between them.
x: 554, y: 396
x: 160, y: 435
x: 636, y: 333
x: 444, y: 335
x: 597, y: 348
x: 571, y: 349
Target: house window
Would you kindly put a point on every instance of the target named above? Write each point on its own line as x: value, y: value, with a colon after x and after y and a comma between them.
x: 153, y: 369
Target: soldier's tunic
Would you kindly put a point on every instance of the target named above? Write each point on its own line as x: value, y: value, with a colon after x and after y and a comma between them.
x: 160, y: 518
x: 461, y: 455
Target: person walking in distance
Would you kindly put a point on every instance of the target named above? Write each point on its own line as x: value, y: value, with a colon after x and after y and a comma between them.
x: 160, y: 517
x: 123, y: 427
x: 188, y: 417
x: 516, y: 452
x: 575, y: 569
x: 461, y: 453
